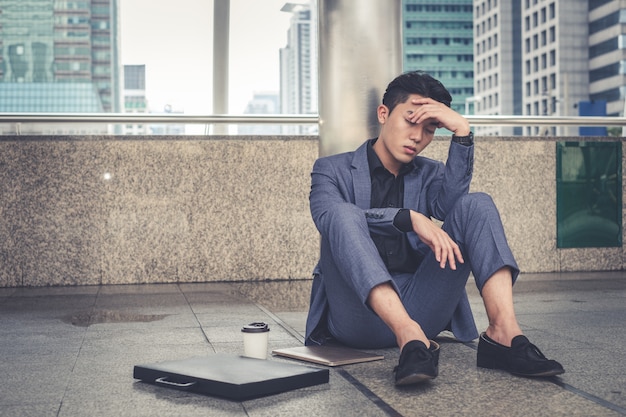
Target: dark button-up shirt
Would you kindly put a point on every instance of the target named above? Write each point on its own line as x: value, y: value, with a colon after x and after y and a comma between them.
x: 388, y: 191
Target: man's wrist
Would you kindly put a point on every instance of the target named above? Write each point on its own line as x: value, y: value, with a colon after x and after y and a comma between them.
x: 402, y: 221
x: 464, y: 140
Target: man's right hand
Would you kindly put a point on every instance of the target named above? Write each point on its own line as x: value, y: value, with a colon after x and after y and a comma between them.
x: 445, y: 249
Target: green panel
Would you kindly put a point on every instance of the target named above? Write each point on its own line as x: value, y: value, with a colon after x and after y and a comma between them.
x: 589, y: 194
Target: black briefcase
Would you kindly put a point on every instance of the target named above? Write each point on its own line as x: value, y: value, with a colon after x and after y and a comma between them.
x: 230, y: 376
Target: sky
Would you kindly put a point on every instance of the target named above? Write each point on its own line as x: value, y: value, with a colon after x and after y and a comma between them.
x: 173, y: 39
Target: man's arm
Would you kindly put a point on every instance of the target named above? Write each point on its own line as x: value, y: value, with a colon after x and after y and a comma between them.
x: 330, y: 187
x: 455, y: 182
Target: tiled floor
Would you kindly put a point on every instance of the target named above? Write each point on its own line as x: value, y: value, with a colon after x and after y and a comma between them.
x: 70, y: 351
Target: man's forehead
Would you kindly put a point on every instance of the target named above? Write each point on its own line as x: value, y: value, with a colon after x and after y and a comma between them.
x: 413, y: 97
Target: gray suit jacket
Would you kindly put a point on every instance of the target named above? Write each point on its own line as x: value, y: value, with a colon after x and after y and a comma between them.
x: 431, y: 189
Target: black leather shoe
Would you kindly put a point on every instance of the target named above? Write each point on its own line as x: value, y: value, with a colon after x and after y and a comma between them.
x: 417, y: 363
x: 522, y: 358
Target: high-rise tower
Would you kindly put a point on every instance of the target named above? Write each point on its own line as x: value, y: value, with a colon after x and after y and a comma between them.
x: 607, y: 54
x: 497, y: 62
x: 62, y: 54
x: 438, y: 40
x: 298, y: 61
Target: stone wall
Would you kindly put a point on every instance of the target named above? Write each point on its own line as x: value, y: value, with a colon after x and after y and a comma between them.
x: 118, y: 210
x: 107, y: 210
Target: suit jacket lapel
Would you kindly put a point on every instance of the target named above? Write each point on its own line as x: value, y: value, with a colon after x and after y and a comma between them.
x: 361, y: 180
x: 411, y: 187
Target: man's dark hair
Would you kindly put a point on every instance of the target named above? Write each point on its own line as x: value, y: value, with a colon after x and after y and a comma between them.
x: 415, y: 82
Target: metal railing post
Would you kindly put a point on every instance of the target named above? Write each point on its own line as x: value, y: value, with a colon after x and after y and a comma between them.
x: 221, y: 28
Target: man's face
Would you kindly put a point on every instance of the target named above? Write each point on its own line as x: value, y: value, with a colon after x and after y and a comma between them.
x: 400, y: 140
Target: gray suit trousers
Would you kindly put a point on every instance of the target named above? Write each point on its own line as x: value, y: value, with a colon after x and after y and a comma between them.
x: 430, y: 295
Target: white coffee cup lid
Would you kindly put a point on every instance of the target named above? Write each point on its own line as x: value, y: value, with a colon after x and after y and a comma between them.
x: 257, y: 327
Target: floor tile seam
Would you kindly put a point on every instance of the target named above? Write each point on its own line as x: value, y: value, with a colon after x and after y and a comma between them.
x: 588, y: 396
x: 369, y: 394
x: 293, y: 332
x: 195, y: 316
x: 82, y: 343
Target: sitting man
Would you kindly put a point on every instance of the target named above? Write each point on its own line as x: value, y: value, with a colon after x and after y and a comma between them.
x: 387, y: 274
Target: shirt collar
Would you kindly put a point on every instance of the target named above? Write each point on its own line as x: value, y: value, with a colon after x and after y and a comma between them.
x: 375, y: 164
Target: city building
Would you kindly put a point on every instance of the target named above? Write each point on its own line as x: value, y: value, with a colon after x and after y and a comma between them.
x: 548, y: 58
x: 555, y: 56
x: 262, y: 103
x: 607, y: 54
x: 497, y: 63
x: 135, y: 100
x: 298, y: 65
x: 60, y: 52
x: 438, y: 39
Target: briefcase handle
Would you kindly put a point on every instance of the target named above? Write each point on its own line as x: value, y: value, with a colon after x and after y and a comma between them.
x: 163, y: 380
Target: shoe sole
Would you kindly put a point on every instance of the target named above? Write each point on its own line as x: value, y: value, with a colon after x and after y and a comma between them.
x: 541, y: 374
x: 486, y: 364
x: 414, y: 379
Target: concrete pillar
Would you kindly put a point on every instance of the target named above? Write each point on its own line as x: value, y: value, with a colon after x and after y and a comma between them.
x: 360, y: 51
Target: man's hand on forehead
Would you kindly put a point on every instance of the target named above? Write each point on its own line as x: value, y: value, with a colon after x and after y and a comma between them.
x: 441, y: 115
x: 409, y: 116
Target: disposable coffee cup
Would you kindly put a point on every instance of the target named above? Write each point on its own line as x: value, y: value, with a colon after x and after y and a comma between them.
x: 255, y: 339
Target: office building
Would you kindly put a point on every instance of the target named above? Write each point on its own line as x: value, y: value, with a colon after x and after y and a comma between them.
x: 607, y: 54
x: 298, y: 64
x: 135, y: 100
x: 555, y: 58
x: 438, y: 40
x: 61, y: 53
x: 262, y: 103
x: 549, y: 56
x: 497, y: 63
